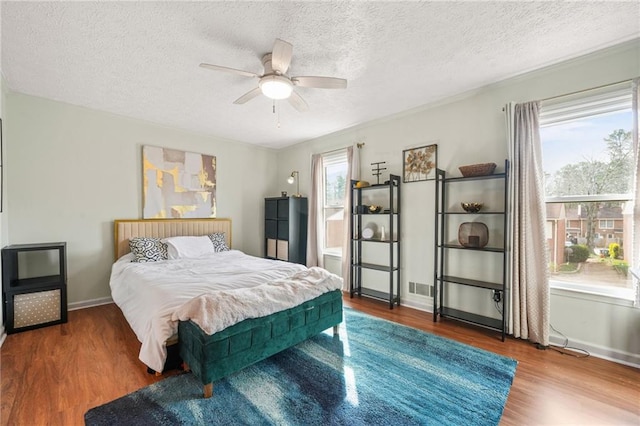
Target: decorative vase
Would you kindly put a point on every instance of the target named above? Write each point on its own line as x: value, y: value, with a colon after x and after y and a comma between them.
x: 473, y: 234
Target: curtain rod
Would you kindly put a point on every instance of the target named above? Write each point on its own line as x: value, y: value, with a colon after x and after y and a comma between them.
x: 586, y: 90
x: 359, y: 145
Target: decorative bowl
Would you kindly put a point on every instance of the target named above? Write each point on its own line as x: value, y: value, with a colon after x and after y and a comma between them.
x: 471, y: 207
x: 480, y: 169
x: 375, y: 209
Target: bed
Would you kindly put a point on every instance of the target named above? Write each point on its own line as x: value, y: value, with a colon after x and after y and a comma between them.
x: 179, y: 303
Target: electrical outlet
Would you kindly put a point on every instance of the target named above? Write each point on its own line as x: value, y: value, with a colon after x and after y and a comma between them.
x: 497, y: 296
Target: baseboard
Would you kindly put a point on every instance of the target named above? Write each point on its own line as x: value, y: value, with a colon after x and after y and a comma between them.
x: 89, y: 303
x: 614, y: 355
x: 426, y: 307
x: 621, y: 357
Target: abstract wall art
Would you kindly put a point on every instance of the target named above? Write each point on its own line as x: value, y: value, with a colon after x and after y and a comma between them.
x: 177, y: 184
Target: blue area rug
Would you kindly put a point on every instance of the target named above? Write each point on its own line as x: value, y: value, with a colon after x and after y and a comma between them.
x: 375, y: 372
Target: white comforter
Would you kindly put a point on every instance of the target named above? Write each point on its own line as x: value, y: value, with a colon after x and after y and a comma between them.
x: 149, y: 293
x: 218, y: 310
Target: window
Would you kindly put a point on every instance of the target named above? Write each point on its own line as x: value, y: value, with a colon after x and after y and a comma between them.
x: 335, y: 184
x: 588, y: 159
x: 606, y: 224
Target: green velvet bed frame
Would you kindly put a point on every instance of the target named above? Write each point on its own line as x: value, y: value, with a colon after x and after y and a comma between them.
x: 212, y: 357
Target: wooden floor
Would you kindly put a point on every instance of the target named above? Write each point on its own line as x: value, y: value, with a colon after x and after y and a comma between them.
x: 55, y: 374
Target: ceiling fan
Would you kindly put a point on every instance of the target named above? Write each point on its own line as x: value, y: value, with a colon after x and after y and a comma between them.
x: 274, y: 83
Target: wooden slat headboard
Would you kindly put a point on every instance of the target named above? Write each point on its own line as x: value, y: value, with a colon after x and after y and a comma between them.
x: 126, y: 229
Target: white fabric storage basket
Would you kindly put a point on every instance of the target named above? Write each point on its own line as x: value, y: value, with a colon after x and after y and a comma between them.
x: 36, y: 308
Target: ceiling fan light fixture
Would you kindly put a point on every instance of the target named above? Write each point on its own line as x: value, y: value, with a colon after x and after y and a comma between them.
x: 274, y: 83
x: 275, y: 87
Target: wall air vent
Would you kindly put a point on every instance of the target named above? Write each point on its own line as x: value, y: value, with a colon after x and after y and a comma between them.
x: 421, y: 289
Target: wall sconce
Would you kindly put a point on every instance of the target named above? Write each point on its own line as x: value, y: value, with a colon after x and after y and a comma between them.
x: 295, y: 177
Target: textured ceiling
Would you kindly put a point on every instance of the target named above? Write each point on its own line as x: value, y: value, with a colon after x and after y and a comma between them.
x: 140, y: 59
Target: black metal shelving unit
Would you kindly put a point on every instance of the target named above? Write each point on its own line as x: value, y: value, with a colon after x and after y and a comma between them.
x: 358, y: 243
x: 444, y: 249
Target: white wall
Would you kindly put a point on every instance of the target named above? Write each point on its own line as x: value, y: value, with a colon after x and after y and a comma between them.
x: 471, y: 129
x: 73, y: 170
x: 607, y: 327
x: 3, y: 215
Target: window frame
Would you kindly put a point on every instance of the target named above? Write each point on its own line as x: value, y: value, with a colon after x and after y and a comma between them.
x: 330, y: 159
x: 577, y: 107
x: 606, y: 223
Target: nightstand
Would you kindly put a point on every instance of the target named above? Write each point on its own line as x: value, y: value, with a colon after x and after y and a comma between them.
x: 34, y: 285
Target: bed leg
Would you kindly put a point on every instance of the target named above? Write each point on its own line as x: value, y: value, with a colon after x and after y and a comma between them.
x: 335, y: 330
x: 186, y: 367
x: 208, y: 390
x: 158, y: 374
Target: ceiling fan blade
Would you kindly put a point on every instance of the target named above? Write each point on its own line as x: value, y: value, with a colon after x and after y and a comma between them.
x: 248, y: 96
x: 298, y: 103
x: 281, y: 56
x: 229, y: 70
x: 320, y: 82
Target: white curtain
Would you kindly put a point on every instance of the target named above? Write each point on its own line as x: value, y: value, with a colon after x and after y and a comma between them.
x: 316, y: 213
x: 529, y: 280
x: 635, y: 226
x: 353, y: 172
x: 315, y: 226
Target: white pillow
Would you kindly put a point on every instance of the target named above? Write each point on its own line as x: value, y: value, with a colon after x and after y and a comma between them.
x: 188, y: 247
